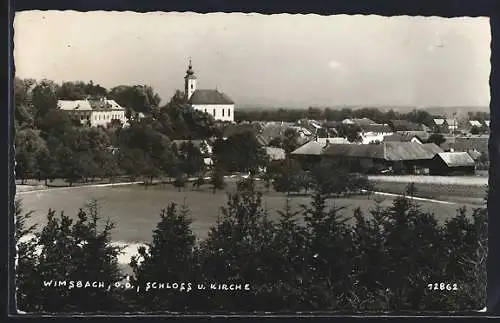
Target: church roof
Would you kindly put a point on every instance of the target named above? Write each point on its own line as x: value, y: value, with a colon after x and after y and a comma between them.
x: 209, y: 97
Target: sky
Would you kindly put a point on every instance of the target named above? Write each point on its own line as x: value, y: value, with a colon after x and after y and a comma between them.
x: 281, y: 60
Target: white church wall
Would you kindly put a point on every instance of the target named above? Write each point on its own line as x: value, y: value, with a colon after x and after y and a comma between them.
x: 223, y: 112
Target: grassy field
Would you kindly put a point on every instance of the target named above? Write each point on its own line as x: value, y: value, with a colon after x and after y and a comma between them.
x: 136, y: 210
x: 447, y: 192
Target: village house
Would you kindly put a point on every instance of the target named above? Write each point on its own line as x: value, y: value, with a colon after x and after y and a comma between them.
x: 211, y: 101
x: 475, y: 123
x: 94, y: 113
x: 374, y: 132
x: 453, y: 125
x: 440, y: 125
x: 308, y: 154
x: 421, y: 135
x: 401, y: 137
x: 401, y: 157
x: 452, y: 163
x: 468, y: 143
x: 405, y: 125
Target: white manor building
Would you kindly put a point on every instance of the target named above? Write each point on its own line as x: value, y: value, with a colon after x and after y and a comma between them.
x: 94, y: 112
x: 214, y: 102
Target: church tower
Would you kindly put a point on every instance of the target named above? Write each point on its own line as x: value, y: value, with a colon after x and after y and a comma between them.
x: 189, y: 81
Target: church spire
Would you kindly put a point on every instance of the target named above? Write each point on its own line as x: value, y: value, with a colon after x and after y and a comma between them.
x: 189, y: 81
x: 190, y: 70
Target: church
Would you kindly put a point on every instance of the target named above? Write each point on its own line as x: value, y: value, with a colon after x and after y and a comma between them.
x: 214, y: 102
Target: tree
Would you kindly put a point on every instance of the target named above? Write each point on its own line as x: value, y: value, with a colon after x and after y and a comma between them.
x: 152, y: 149
x: 217, y: 179
x: 44, y: 99
x: 72, y: 91
x: 190, y: 158
x: 180, y: 181
x: 475, y: 130
x: 79, y: 251
x: 436, y: 138
x: 243, y: 231
x: 23, y: 109
x: 30, y: 147
x: 329, y: 239
x: 136, y: 98
x: 350, y: 132
x: 290, y: 246
x: 287, y: 176
x: 200, y: 181
x: 48, y: 166
x: 26, y: 282
x: 56, y: 123
x: 169, y: 256
x: 290, y: 140
x: 240, y: 153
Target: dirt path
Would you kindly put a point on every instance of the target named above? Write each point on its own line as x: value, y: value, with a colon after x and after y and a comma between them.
x: 446, y: 180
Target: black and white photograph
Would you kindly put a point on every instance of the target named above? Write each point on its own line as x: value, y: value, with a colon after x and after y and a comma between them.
x: 177, y: 162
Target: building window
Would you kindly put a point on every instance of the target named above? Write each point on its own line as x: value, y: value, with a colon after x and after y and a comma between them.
x: 205, y: 110
x: 192, y: 86
x: 222, y: 111
x: 214, y: 112
x: 229, y: 112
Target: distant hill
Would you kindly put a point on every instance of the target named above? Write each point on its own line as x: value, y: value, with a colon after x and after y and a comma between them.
x: 459, y: 112
x: 438, y: 111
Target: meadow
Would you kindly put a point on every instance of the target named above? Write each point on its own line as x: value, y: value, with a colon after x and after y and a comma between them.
x: 135, y: 209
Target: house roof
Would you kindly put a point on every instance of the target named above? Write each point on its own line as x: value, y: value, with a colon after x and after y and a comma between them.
x: 310, y: 148
x: 275, y: 153
x: 332, y: 140
x: 376, y: 128
x: 232, y: 129
x: 439, y: 122
x: 475, y: 123
x: 105, y: 105
x: 456, y: 159
x: 263, y: 141
x: 474, y: 154
x: 273, y: 130
x: 422, y: 135
x: 89, y: 105
x: 360, y: 122
x: 77, y: 105
x: 209, y: 97
x: 478, y: 143
x: 389, y: 151
x: 399, y: 137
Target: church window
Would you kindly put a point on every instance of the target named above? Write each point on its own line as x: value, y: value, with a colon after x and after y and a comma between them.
x: 222, y: 111
x: 192, y: 86
x: 229, y: 112
x: 214, y: 112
